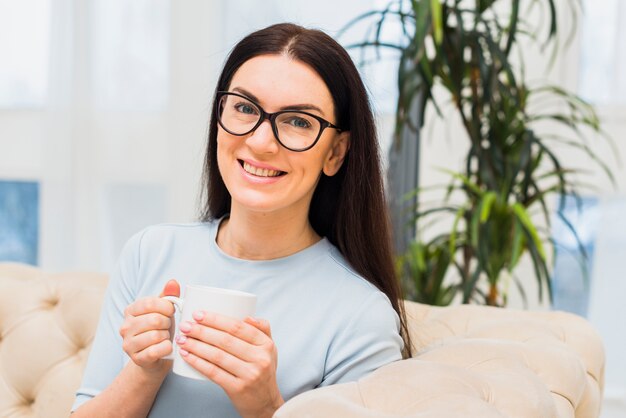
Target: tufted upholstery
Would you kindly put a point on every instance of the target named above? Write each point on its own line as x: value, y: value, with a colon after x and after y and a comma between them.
x: 47, y: 322
x: 476, y: 361
x: 470, y: 361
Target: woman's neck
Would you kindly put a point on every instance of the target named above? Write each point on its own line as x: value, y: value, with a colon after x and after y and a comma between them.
x: 262, y: 236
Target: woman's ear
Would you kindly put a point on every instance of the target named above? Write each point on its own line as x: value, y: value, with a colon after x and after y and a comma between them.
x: 337, y: 154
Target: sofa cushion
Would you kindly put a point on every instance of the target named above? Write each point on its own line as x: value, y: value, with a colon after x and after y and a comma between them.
x: 476, y: 361
x: 47, y: 323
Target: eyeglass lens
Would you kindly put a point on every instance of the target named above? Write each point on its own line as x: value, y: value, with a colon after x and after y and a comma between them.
x: 295, y: 130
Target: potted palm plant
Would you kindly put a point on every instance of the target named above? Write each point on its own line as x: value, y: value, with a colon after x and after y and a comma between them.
x: 498, y: 203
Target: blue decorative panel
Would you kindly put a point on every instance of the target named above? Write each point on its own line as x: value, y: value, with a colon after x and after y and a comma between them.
x: 19, y: 221
x: 572, y: 271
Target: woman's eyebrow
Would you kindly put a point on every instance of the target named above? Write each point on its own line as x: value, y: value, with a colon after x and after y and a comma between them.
x: 303, y: 106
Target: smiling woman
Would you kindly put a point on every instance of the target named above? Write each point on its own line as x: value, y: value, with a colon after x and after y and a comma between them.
x: 293, y: 202
x: 282, y: 84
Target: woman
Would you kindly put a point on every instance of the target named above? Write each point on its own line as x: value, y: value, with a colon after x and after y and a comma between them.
x: 295, y: 214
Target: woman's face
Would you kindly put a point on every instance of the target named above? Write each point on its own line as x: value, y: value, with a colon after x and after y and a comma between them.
x: 260, y: 174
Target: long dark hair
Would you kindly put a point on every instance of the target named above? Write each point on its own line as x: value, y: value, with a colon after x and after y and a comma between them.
x: 348, y: 208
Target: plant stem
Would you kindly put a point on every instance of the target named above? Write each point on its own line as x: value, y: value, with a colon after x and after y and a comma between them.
x: 492, y: 298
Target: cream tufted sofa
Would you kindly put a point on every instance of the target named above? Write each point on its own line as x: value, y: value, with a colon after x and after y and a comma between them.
x: 470, y: 361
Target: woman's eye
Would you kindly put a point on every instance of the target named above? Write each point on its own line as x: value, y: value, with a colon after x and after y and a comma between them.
x: 299, y: 123
x: 246, y: 108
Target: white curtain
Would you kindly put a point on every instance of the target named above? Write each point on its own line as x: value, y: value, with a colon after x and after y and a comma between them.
x: 117, y: 141
x: 603, y: 52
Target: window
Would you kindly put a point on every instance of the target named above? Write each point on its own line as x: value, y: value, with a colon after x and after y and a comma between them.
x: 24, y: 51
x: 130, y: 58
x: 603, y: 52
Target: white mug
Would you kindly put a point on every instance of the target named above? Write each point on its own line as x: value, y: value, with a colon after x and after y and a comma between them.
x: 233, y: 303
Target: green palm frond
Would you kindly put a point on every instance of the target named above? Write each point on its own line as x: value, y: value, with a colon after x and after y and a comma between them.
x: 512, y: 168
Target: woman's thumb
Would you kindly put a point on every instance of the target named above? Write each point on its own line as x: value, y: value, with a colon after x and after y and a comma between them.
x: 171, y: 288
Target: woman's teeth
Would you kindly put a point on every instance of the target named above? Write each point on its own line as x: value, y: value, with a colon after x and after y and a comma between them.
x: 260, y: 172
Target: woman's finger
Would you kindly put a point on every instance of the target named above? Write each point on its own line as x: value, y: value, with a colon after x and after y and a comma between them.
x: 214, y: 355
x: 171, y: 288
x: 150, y: 305
x: 152, y: 321
x: 144, y: 340
x: 262, y: 324
x: 218, y: 338
x: 235, y: 327
x: 153, y: 353
x: 212, y: 371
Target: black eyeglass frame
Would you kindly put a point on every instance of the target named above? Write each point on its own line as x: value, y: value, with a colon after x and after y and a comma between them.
x: 272, y: 118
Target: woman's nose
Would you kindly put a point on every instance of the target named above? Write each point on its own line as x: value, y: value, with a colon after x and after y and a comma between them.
x: 263, y: 140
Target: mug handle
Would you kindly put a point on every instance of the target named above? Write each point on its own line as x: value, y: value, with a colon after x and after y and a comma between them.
x: 178, y: 304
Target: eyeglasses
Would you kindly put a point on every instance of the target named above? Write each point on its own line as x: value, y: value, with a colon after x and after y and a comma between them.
x: 294, y: 130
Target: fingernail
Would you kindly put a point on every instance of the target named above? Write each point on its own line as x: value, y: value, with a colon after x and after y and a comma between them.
x: 185, y: 326
x: 182, y: 352
x: 253, y: 320
x: 198, y: 315
x: 181, y: 339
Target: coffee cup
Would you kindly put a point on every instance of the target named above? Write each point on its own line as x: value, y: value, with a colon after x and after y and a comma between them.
x: 233, y: 303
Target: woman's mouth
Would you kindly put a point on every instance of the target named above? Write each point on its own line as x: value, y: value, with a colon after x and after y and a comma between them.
x: 260, y: 172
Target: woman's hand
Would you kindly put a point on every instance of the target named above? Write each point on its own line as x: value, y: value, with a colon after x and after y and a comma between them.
x: 146, y: 329
x: 240, y: 356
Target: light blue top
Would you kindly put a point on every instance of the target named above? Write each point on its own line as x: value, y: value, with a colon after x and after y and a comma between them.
x: 328, y: 323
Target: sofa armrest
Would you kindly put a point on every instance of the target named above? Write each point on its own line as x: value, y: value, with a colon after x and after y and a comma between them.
x: 476, y: 361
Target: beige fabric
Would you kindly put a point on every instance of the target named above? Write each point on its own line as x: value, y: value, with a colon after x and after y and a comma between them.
x: 47, y: 323
x: 476, y: 361
x: 470, y: 361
